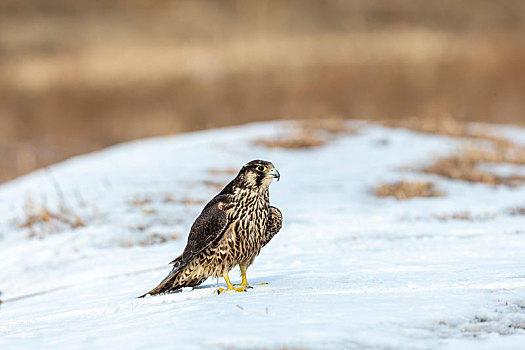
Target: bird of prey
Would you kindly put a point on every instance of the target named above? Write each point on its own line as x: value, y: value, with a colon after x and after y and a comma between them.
x: 231, y: 230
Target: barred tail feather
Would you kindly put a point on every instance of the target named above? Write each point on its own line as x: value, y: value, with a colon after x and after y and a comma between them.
x: 165, y: 286
x: 172, y: 282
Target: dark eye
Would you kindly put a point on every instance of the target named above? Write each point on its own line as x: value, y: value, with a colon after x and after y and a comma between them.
x: 261, y: 168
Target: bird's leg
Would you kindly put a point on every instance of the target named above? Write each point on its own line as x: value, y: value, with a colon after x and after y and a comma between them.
x: 230, y: 285
x: 244, y: 282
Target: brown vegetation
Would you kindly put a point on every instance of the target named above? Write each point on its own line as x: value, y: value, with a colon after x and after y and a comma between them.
x: 214, y: 184
x: 482, y: 147
x: 40, y: 220
x: 464, y: 216
x: 454, y: 127
x: 140, y: 201
x: 169, y: 198
x: 155, y: 238
x: 192, y: 201
x: 228, y: 171
x: 151, y: 239
x: 403, y: 190
x: 327, y: 125
x: 465, y: 167
x: 445, y: 125
x: 294, y: 141
x: 517, y: 211
x: 308, y: 133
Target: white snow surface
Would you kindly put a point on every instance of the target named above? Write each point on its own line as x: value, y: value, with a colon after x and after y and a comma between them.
x: 347, y: 270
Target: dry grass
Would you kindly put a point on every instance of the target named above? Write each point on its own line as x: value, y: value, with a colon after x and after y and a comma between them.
x: 192, y: 201
x: 445, y: 125
x: 141, y: 201
x: 40, y: 220
x: 449, y: 126
x: 155, y: 238
x: 148, y: 211
x: 285, y: 348
x: 403, y: 190
x: 327, y: 125
x: 308, y: 134
x: 483, y: 147
x: 151, y: 239
x: 464, y: 216
x: 228, y: 171
x: 169, y: 198
x: 295, y: 141
x: 147, y: 202
x: 517, y: 211
x: 214, y: 184
x: 465, y: 165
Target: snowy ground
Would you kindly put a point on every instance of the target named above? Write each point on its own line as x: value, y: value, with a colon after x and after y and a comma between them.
x: 347, y: 270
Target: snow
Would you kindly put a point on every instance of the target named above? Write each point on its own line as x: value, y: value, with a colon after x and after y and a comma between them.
x: 347, y: 270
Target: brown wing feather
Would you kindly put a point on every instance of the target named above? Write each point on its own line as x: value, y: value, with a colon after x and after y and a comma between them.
x: 274, y: 224
x: 208, y: 227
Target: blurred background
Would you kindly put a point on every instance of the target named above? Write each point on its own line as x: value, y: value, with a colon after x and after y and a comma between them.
x: 77, y: 76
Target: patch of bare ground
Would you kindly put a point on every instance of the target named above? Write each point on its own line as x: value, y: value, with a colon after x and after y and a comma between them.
x: 300, y: 140
x: 328, y: 125
x: 155, y: 238
x: 464, y: 216
x: 192, y: 201
x: 403, y: 190
x: 308, y: 134
x: 507, y: 319
x: 150, y: 239
x: 483, y: 147
x: 517, y: 211
x: 214, y: 184
x: 147, y: 202
x: 227, y: 171
x: 446, y: 125
x: 168, y: 198
x: 141, y: 201
x: 285, y: 348
x: 40, y: 220
x: 465, y: 166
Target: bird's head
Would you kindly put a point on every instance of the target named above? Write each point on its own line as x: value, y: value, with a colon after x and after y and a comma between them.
x: 258, y: 174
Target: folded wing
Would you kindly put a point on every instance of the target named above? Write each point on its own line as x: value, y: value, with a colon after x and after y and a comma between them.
x: 207, y: 228
x: 274, y: 224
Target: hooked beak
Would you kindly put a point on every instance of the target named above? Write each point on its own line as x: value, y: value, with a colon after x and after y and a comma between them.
x: 275, y: 174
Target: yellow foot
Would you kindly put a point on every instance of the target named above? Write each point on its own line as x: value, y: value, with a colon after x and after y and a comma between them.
x: 246, y: 286
x: 235, y: 289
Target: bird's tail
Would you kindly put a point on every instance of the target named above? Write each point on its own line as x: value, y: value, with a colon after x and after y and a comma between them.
x: 170, y: 283
x: 167, y: 284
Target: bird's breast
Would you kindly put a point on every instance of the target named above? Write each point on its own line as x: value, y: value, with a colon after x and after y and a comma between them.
x: 249, y: 216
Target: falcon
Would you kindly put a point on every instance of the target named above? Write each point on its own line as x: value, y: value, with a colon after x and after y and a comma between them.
x: 231, y: 230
